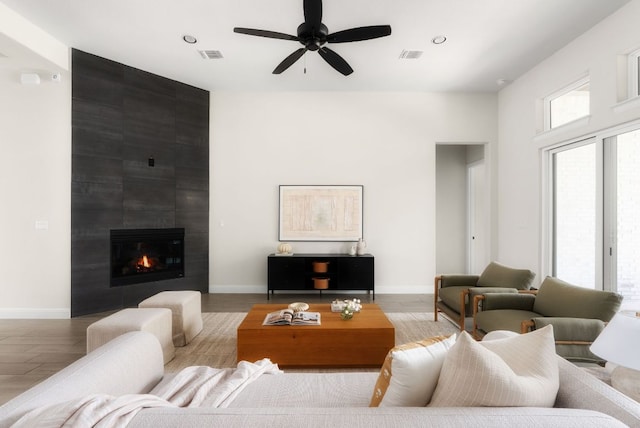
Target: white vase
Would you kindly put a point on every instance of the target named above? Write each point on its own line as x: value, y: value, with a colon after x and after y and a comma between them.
x: 361, y: 247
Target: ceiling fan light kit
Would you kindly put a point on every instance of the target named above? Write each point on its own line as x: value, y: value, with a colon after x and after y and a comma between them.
x: 313, y: 35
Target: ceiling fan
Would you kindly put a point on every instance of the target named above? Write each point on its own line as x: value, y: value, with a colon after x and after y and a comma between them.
x: 313, y: 35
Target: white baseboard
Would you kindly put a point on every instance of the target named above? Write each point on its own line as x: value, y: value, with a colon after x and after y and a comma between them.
x: 405, y: 289
x: 258, y: 289
x: 35, y: 313
x: 239, y: 289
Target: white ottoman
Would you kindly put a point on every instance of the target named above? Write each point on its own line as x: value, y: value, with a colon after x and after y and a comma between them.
x: 156, y: 321
x: 186, y: 309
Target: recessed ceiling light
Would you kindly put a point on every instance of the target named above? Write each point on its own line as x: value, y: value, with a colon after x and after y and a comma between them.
x: 189, y: 39
x: 438, y: 40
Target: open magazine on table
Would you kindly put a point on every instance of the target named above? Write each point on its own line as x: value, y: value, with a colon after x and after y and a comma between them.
x: 289, y: 317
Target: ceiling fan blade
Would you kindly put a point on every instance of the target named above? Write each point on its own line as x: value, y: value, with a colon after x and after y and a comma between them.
x: 360, y: 33
x: 335, y: 61
x: 288, y: 61
x: 265, y: 33
x: 313, y: 12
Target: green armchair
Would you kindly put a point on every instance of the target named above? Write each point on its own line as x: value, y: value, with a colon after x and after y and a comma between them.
x: 453, y: 294
x: 577, y: 314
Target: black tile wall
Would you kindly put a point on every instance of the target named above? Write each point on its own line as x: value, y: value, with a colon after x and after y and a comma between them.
x: 121, y: 117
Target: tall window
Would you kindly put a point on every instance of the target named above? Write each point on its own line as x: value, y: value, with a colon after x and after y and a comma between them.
x: 568, y: 104
x: 595, y: 207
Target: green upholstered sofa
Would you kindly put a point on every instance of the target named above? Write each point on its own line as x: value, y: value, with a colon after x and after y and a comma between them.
x: 577, y: 314
x: 453, y: 294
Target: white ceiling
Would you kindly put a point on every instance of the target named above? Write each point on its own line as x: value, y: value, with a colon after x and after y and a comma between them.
x: 487, y: 40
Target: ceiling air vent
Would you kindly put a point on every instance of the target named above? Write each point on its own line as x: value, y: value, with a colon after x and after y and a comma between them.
x: 405, y: 54
x: 211, y: 54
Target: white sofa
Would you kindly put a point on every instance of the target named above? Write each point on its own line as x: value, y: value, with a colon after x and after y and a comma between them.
x: 133, y: 363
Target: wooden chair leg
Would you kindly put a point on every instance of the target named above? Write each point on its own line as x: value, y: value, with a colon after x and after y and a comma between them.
x: 476, y: 304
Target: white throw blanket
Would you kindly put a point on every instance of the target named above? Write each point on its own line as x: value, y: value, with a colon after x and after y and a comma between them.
x: 189, y: 388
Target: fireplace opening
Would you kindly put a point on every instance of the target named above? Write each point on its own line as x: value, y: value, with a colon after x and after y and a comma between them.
x: 145, y: 255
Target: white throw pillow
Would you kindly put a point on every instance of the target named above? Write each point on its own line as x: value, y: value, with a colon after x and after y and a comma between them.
x: 517, y: 371
x: 410, y: 372
x: 498, y: 334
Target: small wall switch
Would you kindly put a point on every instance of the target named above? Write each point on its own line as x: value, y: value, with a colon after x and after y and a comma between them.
x: 42, y: 225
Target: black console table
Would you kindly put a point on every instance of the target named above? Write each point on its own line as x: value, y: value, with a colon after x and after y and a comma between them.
x: 308, y: 272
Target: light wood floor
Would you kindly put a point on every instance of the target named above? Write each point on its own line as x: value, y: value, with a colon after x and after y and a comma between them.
x: 32, y: 350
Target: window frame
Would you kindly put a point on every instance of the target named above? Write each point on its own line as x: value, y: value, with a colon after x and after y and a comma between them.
x: 583, y: 80
x: 605, y: 279
x: 633, y: 73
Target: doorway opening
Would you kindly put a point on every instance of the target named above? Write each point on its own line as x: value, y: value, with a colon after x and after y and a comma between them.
x: 461, y: 208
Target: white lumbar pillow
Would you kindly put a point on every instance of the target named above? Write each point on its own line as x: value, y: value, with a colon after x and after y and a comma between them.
x: 410, y: 372
x: 515, y: 371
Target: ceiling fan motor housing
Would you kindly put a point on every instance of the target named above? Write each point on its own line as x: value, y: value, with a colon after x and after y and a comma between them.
x: 312, y: 38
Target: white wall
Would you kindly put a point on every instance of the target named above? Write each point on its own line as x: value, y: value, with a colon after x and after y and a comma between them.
x: 384, y: 141
x: 13, y: 26
x: 35, y: 185
x: 520, y: 141
x: 35, y: 173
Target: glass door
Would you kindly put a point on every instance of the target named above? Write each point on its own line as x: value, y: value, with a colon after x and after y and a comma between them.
x: 623, y: 220
x: 575, y: 226
x: 595, y: 214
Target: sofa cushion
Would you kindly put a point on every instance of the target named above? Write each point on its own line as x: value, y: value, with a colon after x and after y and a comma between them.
x: 373, y: 417
x: 450, y: 296
x: 410, y: 372
x: 484, y: 291
x: 458, y: 280
x: 497, y: 275
x: 495, y: 301
x: 502, y: 319
x: 515, y: 371
x: 557, y: 298
x: 572, y: 331
x: 305, y: 389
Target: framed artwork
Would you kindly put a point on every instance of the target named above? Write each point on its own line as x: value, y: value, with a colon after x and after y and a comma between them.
x: 320, y: 213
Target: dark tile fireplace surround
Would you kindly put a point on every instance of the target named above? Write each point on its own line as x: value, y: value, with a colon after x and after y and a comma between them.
x: 140, y: 163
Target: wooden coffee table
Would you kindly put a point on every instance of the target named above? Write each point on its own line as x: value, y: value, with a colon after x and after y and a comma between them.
x: 362, y: 341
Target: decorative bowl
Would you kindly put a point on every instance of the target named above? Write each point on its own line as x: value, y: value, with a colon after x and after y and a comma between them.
x: 299, y: 306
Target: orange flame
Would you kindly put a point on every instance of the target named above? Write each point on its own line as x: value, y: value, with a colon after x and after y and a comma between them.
x: 145, y: 262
